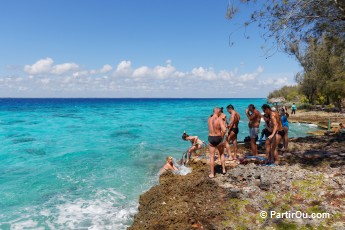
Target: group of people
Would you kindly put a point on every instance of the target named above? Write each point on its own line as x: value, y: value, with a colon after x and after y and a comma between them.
x: 222, y: 133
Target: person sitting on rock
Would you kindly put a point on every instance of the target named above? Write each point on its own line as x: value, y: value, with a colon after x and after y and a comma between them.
x: 169, y: 165
x: 196, y: 144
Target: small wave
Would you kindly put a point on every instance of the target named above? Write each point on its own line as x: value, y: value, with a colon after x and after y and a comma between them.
x: 26, y: 224
x: 23, y: 140
x: 33, y: 151
x: 106, y: 209
x: 183, y: 170
x: 312, y: 125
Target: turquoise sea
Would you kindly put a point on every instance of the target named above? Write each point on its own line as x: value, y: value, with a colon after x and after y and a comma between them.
x: 82, y: 163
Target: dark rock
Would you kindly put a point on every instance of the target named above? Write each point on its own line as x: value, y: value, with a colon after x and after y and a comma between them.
x: 235, y: 193
x: 265, y: 183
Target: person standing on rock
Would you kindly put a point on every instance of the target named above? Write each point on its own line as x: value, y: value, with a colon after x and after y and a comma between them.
x: 232, y: 131
x: 284, y: 119
x: 254, y: 117
x: 277, y: 133
x: 293, y: 108
x: 267, y: 131
x: 216, y: 131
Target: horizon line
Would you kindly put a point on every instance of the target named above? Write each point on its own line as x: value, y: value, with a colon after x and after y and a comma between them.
x: 133, y: 97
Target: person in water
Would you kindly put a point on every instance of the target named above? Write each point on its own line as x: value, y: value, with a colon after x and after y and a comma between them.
x: 196, y: 144
x: 277, y: 132
x: 254, y: 117
x: 284, y: 119
x: 216, y: 131
x: 232, y: 131
x: 169, y: 165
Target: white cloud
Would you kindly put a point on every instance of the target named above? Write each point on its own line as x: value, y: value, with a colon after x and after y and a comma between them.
x: 123, y: 67
x: 41, y: 66
x: 63, y: 68
x: 106, y: 68
x: 164, y: 71
x: 45, y: 81
x: 126, y: 80
x: 204, y: 73
x: 251, y: 76
x: 44, y: 66
x: 275, y: 82
x: 141, y: 72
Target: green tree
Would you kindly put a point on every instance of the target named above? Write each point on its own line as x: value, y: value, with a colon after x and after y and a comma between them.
x: 314, y: 32
x: 293, y: 22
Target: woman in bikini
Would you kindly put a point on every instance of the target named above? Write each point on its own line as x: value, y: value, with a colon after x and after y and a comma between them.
x: 196, y: 144
x: 169, y: 165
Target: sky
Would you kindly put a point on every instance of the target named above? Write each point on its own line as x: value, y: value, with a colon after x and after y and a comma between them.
x: 135, y: 48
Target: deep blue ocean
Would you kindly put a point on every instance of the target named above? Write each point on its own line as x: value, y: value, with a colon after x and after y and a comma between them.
x: 82, y: 163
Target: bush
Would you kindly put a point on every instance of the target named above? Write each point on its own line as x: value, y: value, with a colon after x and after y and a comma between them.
x: 306, y: 106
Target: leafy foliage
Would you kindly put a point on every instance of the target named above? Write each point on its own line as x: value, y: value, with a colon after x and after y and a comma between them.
x: 293, y: 22
x: 314, y: 32
x: 290, y: 93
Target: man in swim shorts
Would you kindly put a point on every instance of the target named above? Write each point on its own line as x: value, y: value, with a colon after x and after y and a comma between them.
x: 216, y: 131
x: 277, y: 133
x: 254, y: 117
x: 232, y: 131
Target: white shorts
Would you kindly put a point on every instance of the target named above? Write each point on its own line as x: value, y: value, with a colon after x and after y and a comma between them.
x: 253, y: 132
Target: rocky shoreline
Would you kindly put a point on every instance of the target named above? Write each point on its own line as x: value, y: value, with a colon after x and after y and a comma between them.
x: 319, y: 118
x: 310, y: 179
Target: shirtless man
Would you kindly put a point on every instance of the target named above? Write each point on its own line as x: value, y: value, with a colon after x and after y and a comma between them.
x: 254, y: 117
x: 216, y: 131
x: 232, y: 131
x: 277, y: 133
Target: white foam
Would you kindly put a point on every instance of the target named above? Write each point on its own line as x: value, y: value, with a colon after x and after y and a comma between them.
x: 105, y: 209
x: 312, y: 125
x: 25, y: 224
x: 183, y: 170
x: 101, y: 213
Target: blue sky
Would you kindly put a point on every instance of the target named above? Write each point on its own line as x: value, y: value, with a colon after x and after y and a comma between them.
x: 146, y: 48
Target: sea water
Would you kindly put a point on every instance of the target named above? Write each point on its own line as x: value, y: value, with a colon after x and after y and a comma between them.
x: 82, y: 163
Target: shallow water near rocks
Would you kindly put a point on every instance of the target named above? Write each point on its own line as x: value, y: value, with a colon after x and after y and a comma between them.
x: 82, y: 163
